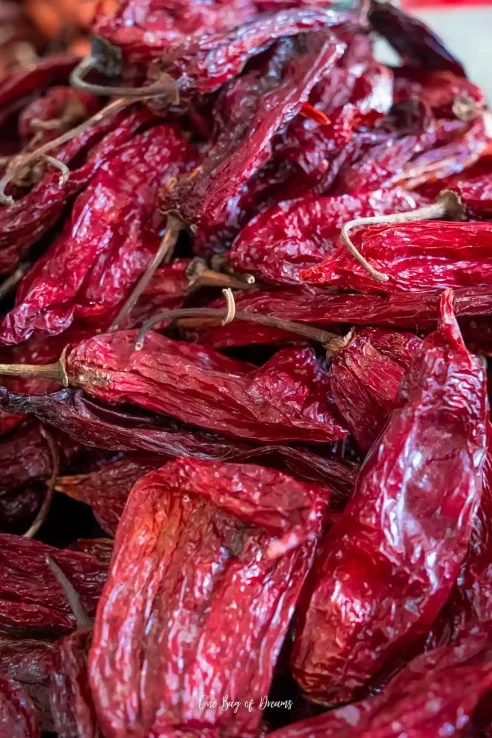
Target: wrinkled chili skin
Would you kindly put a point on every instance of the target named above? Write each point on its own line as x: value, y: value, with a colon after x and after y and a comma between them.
x: 436, y: 693
x: 28, y: 662
x: 412, y: 39
x: 32, y: 602
x: 71, y: 702
x: 298, y: 234
x: 106, y: 489
x: 98, y: 425
x: 193, y: 560
x: 29, y: 218
x: 365, y: 378
x: 101, y: 548
x: 18, y: 717
x: 419, y: 256
x: 188, y: 382
x: 112, y: 234
x: 476, y: 195
x: 324, y: 308
x: 208, y: 198
x: 203, y: 64
x: 390, y: 563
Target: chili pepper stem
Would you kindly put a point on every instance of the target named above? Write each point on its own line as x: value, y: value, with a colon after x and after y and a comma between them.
x: 56, y: 371
x: 175, y: 225
x: 22, y: 160
x: 78, y: 610
x: 77, y: 80
x: 45, y: 507
x: 307, y: 331
x: 201, y: 276
x: 448, y: 206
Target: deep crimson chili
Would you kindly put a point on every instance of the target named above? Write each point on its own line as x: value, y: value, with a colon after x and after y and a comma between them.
x: 106, y: 489
x: 203, y: 572
x: 18, y: 717
x: 418, y: 256
x: 28, y: 662
x: 389, y: 563
x: 298, y: 234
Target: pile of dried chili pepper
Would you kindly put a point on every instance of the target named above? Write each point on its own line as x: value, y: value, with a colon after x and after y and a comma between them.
x: 246, y: 320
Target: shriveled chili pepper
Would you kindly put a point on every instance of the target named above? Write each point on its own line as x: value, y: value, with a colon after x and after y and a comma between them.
x: 101, y: 548
x: 319, y: 307
x: 412, y: 257
x: 298, y: 234
x: 412, y: 39
x: 23, y: 223
x: 188, y: 578
x: 447, y: 94
x: 437, y: 693
x: 202, y: 64
x: 18, y: 717
x: 28, y: 662
x: 365, y: 372
x: 31, y: 601
x: 207, y: 198
x: 106, y: 490
x: 390, y: 562
x: 112, y: 235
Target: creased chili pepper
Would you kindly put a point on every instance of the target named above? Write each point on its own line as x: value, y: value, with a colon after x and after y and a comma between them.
x: 298, y: 234
x: 71, y: 702
x: 412, y: 39
x: 317, y: 306
x: 18, y: 717
x: 413, y: 256
x: 365, y: 372
x: 437, y: 692
x: 106, y: 490
x: 207, y: 197
x: 28, y: 219
x: 31, y: 601
x: 187, y: 382
x: 202, y: 64
x: 112, y: 235
x: 476, y: 195
x: 28, y: 662
x: 190, y: 575
x: 389, y: 564
x: 141, y: 31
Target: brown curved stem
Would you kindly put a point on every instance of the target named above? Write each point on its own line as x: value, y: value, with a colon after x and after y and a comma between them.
x: 164, y: 254
x: 56, y: 371
x: 307, y: 331
x: 448, y: 206
x: 23, y: 160
x: 45, y: 507
x: 88, y: 63
x: 201, y: 276
x: 65, y: 171
x: 81, y: 617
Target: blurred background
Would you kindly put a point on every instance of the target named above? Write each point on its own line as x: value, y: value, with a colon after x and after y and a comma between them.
x: 32, y: 27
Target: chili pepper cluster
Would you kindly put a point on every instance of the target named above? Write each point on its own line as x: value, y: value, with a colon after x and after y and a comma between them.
x: 245, y: 438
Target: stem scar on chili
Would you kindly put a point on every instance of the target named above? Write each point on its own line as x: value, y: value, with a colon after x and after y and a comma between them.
x: 448, y: 206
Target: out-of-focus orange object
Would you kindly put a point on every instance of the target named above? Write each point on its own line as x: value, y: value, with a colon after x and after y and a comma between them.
x: 53, y: 17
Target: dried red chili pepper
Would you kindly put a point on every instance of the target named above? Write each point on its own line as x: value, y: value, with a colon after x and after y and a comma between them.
x: 31, y: 601
x: 295, y: 235
x: 190, y: 575
x: 436, y: 693
x: 313, y: 305
x: 412, y: 39
x: 101, y: 548
x: 113, y: 233
x: 413, y: 256
x: 18, y: 717
x: 365, y: 372
x: 71, y: 702
x: 28, y: 662
x: 23, y: 223
x: 446, y: 94
x: 106, y: 490
x: 389, y: 564
x: 202, y: 64
x: 476, y: 195
x: 265, y: 103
